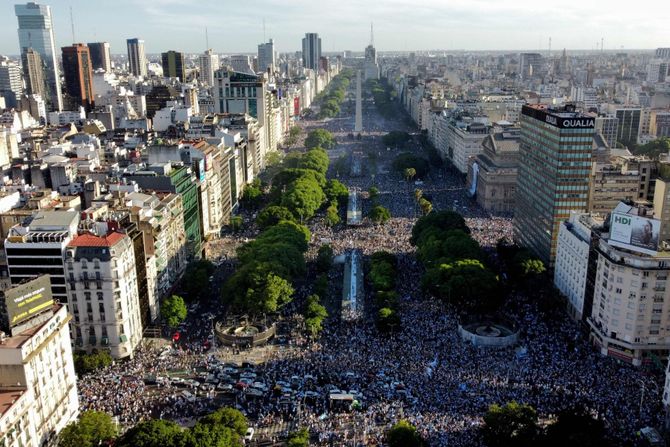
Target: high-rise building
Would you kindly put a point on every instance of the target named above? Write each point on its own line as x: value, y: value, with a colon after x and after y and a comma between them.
x: 663, y: 53
x: 36, y: 32
x: 38, y: 385
x: 173, y: 65
x: 607, y: 126
x: 529, y: 65
x: 311, y: 51
x: 241, y: 63
x: 371, y: 65
x: 78, y: 75
x: 266, y: 56
x: 657, y: 71
x: 137, y: 60
x: 628, y: 128
x: 104, y: 291
x: 34, y: 74
x: 11, y: 86
x: 100, y: 56
x: 553, y: 177
x: 209, y: 63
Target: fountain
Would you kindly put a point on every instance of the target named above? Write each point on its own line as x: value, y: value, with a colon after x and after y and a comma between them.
x: 489, y: 331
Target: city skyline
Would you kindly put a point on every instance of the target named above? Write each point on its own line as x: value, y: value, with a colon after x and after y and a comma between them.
x: 462, y: 25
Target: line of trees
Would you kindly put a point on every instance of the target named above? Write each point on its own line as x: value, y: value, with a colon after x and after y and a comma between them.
x: 334, y: 94
x: 223, y: 428
x: 517, y: 425
x: 454, y: 263
x: 382, y: 276
x: 383, y: 94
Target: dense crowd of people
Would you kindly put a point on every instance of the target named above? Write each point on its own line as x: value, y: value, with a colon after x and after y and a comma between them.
x: 425, y: 373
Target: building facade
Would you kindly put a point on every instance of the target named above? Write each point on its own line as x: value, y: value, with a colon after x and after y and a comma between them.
x: 266, y: 56
x: 311, y: 51
x: 209, y: 63
x: 137, y: 59
x: 173, y: 65
x: 11, y: 85
x: 100, y: 56
x: 36, y: 32
x: 553, y: 177
x: 78, y: 72
x: 104, y: 291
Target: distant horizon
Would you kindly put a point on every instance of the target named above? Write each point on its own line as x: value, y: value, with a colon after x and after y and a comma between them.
x: 459, y: 25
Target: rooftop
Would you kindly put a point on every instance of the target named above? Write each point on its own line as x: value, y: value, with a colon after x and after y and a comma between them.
x: 47, y: 220
x: 8, y: 398
x: 91, y: 240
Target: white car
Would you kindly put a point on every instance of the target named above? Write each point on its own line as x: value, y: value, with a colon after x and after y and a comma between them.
x: 249, y: 435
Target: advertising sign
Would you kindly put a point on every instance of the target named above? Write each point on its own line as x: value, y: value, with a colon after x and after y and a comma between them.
x: 296, y: 106
x: 28, y: 299
x: 636, y: 233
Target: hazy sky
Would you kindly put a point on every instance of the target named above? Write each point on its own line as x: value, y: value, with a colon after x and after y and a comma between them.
x: 237, y: 26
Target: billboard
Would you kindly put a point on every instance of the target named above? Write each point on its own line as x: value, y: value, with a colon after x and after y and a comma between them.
x: 28, y: 299
x: 636, y: 233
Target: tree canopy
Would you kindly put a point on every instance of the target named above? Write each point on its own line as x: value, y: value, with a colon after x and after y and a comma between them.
x: 324, y: 258
x: 395, y: 138
x: 510, y: 425
x: 403, y: 434
x: 379, y: 214
x: 92, y: 429
x: 408, y: 160
x: 173, y: 310
x: 298, y: 438
x: 576, y: 427
x: 320, y: 138
x: 336, y: 191
x: 303, y: 197
x: 153, y: 433
x: 272, y: 215
x: 465, y: 283
x: 315, y: 159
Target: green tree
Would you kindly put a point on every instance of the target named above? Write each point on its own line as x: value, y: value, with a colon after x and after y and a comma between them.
x: 303, y: 198
x: 340, y: 164
x: 373, y: 193
x: 324, y: 258
x: 252, y: 194
x: 315, y: 159
x: 410, y: 173
x: 511, y: 425
x: 196, y: 278
x: 465, y: 283
x: 272, y: 215
x: 153, y: 433
x: 295, y: 131
x: 408, y: 160
x: 395, y: 138
x: 273, y: 158
x: 85, y: 363
x: 236, y: 223
x: 320, y: 138
x: 173, y: 310
x: 227, y: 417
x: 314, y: 314
x: 379, y: 214
x: 387, y: 320
x: 576, y: 427
x: 426, y: 206
x: 439, y: 221
x: 332, y: 216
x: 92, y: 429
x: 320, y: 286
x: 271, y: 293
x: 298, y: 438
x: 403, y: 434
x: 206, y: 435
x: 336, y: 191
x: 418, y: 194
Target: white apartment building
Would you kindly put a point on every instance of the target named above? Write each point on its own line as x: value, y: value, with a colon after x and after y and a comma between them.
x: 463, y: 142
x: 572, y: 261
x: 38, y: 389
x: 631, y: 300
x: 209, y: 63
x: 104, y: 295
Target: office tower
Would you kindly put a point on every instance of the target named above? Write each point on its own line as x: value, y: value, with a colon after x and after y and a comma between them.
x: 266, y: 56
x: 553, y: 177
x: 209, y: 63
x: 104, y: 290
x: 36, y: 247
x: 100, y: 57
x: 311, y: 51
x: 78, y: 75
x: 371, y: 66
x: 241, y: 63
x: 34, y: 74
x: 36, y: 32
x: 529, y: 65
x: 240, y: 93
x: 629, y: 125
x: 137, y: 60
x: 663, y: 53
x: 173, y: 65
x: 657, y: 71
x: 11, y: 86
x: 607, y: 126
x: 38, y: 384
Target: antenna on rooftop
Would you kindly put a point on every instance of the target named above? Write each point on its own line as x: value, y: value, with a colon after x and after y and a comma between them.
x: 72, y: 24
x: 372, y: 35
x: 206, y: 39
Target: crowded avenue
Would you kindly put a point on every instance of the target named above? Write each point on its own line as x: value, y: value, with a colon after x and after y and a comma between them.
x: 424, y: 373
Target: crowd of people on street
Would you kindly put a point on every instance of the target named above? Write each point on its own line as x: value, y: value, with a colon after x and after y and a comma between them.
x: 423, y: 373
